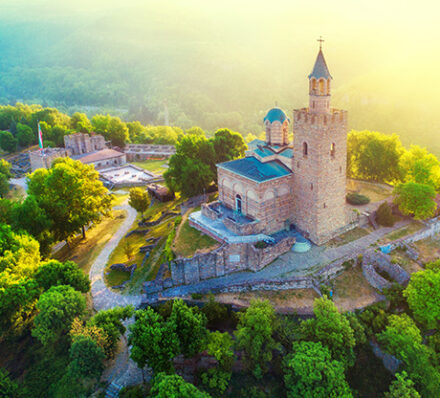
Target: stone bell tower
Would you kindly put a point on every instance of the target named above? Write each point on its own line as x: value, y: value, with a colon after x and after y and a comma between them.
x: 319, y: 161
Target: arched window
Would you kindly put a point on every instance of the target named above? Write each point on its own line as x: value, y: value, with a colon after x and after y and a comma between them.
x: 313, y: 104
x: 328, y: 87
x: 238, y: 204
x: 314, y: 84
x: 305, y: 149
x: 332, y: 149
x: 321, y: 87
x: 311, y: 187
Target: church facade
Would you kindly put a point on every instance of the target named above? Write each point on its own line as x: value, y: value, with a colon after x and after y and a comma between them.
x: 282, y: 185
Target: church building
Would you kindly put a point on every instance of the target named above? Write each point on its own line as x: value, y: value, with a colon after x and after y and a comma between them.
x: 283, y: 185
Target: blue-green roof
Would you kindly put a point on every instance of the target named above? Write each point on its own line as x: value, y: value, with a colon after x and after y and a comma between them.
x: 275, y: 114
x: 255, y: 170
x: 288, y: 153
x: 320, y: 69
x: 255, y: 143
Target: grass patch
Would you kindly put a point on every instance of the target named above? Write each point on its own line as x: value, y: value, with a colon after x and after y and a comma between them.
x: 429, y: 249
x: 347, y: 237
x: 153, y: 262
x: 189, y: 240
x: 16, y: 193
x: 351, y: 290
x: 402, y: 232
x: 85, y: 251
x: 155, y: 166
x: 399, y: 256
x: 120, y: 197
x: 376, y: 192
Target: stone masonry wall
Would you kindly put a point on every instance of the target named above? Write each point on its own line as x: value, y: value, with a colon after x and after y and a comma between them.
x: 270, y: 202
x: 320, y: 174
x: 226, y: 259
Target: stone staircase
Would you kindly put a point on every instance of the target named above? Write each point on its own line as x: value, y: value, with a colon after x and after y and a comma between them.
x: 113, y: 390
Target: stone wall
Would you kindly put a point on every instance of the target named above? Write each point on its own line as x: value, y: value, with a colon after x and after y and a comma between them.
x: 376, y: 260
x: 80, y: 143
x: 226, y: 259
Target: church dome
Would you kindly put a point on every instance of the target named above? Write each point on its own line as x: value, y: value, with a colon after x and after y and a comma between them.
x: 275, y: 114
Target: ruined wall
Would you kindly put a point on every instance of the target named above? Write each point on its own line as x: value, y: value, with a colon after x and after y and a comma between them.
x: 226, y: 259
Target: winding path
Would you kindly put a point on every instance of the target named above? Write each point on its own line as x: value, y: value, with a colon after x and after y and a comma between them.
x: 123, y: 371
x: 103, y: 297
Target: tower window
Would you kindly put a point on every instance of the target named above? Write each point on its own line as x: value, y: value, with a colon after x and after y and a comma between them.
x: 325, y: 206
x: 313, y: 104
x: 321, y: 87
x: 311, y: 187
x: 297, y: 165
x: 332, y: 149
x: 305, y: 149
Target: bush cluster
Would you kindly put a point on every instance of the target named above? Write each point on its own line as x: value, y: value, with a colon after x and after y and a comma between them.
x: 357, y: 199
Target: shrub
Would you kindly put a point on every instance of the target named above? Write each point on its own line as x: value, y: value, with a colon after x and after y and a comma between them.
x: 357, y: 199
x: 196, y: 296
x: 260, y: 245
x: 384, y: 215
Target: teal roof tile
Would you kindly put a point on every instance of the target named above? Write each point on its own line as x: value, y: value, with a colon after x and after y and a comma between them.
x: 250, y: 167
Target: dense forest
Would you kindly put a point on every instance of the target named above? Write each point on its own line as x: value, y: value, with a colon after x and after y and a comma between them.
x: 207, y: 66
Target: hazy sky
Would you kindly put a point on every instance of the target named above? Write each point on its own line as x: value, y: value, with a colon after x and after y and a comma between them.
x: 385, y: 51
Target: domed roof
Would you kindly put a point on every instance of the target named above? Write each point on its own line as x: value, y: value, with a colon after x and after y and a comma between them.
x: 276, y: 114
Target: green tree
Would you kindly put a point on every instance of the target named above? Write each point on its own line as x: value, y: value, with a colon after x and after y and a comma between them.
x: 153, y: 340
x: 195, y: 130
x: 117, y: 132
x: 384, y: 215
x: 71, y: 195
x: 5, y: 168
x: 7, y: 141
x: 134, y: 130
x: 402, y: 387
x: 25, y: 135
x: 423, y: 296
x: 167, y: 386
x: 374, y: 156
x: 86, y: 358
x: 420, y: 166
x: 220, y: 347
x: 228, y: 145
x: 5, y: 175
x: 4, y: 185
x: 332, y: 329
x: 255, y: 336
x: 80, y: 122
x: 403, y: 339
x: 54, y: 273
x: 310, y: 372
x: 28, y: 216
x: 110, y: 321
x: 139, y: 199
x: 57, y: 308
x: 192, y: 168
x: 190, y: 327
x: 416, y: 199
x: 8, y: 388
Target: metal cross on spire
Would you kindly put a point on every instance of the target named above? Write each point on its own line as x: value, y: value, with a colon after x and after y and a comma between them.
x: 321, y: 40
